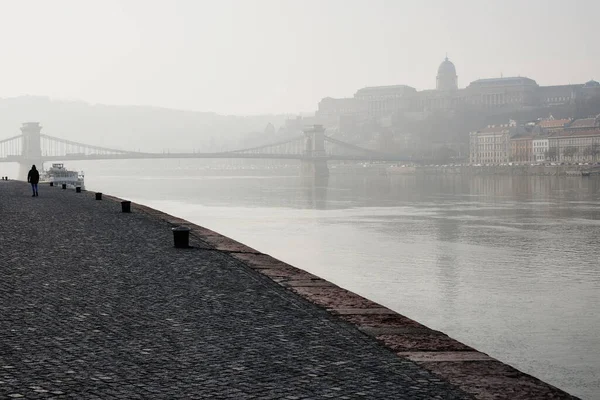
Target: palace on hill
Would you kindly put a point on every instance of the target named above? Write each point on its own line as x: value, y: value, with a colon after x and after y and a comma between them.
x: 491, y: 95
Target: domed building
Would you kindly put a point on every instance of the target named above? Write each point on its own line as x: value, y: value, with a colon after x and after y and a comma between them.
x: 446, y: 77
x: 500, y: 94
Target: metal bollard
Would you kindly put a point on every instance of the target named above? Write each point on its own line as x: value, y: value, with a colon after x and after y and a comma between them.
x: 51, y: 184
x: 126, y: 206
x: 64, y: 185
x: 98, y: 196
x: 181, y: 237
x: 78, y: 189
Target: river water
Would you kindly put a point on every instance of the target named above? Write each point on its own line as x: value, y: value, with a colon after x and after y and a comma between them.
x: 508, y: 265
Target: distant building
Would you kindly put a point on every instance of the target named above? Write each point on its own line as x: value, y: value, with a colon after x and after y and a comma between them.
x: 540, y: 149
x: 558, y: 95
x: 553, y: 140
x: 551, y: 124
x: 499, y: 92
x: 504, y: 93
x: 521, y: 148
x: 491, y: 145
x: 575, y: 145
x: 334, y: 108
x: 385, y: 100
x: 446, y: 78
x: 584, y: 124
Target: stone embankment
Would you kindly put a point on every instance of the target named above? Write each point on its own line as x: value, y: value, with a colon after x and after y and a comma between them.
x: 508, y: 170
x: 98, y: 304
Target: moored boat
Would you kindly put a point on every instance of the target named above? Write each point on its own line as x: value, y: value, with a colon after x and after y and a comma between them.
x: 59, y: 175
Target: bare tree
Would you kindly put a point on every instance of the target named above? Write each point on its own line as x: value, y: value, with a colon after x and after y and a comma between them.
x: 594, y: 151
x: 551, y: 154
x: 570, y: 152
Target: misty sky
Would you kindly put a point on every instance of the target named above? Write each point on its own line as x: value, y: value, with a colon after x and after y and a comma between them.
x: 273, y: 56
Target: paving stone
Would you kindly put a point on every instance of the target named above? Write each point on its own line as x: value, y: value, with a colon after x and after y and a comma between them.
x: 97, y: 304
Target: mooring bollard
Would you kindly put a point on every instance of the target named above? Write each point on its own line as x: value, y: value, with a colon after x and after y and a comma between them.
x: 64, y: 185
x: 126, y: 206
x: 51, y: 184
x: 98, y: 196
x: 181, y: 237
x: 78, y: 189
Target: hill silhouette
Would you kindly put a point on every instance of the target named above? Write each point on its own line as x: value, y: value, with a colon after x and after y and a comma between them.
x: 142, y: 128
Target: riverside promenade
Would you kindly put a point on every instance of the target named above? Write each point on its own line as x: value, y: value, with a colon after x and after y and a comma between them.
x: 98, y: 304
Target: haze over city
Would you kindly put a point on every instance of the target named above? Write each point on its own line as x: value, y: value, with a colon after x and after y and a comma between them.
x: 265, y: 57
x: 423, y: 174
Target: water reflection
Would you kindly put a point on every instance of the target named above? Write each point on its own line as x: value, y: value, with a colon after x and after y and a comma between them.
x: 315, y: 191
x: 447, y: 233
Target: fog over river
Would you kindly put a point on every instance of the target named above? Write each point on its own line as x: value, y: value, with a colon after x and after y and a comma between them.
x: 508, y: 265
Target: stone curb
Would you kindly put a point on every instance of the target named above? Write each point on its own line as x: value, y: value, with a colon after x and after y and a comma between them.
x: 472, y: 371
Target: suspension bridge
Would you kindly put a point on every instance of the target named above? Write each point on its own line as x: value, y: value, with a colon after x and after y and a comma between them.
x: 313, y: 149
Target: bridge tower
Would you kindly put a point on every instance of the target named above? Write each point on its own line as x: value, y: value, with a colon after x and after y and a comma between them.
x: 315, y: 158
x: 31, y: 151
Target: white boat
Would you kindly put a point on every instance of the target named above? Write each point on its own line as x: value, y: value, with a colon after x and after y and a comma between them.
x: 59, y: 175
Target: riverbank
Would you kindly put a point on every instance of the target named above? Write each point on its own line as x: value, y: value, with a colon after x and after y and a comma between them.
x: 508, y: 170
x: 126, y: 257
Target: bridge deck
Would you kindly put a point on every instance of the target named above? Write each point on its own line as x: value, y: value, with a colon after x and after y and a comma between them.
x: 97, y: 304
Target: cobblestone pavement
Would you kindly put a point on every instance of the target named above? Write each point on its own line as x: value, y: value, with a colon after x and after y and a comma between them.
x: 97, y: 304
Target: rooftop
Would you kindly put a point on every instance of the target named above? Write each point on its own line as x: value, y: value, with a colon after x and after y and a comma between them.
x: 554, y: 123
x: 385, y: 89
x: 584, y: 123
x: 517, y: 80
x: 585, y: 132
x: 495, y: 128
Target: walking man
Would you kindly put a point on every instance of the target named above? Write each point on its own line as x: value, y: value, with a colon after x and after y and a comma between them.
x: 33, y: 177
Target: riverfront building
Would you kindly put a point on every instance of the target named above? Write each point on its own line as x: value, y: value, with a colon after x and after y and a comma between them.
x: 575, y: 146
x: 521, y: 148
x: 491, y: 145
x: 540, y: 146
x: 548, y: 140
